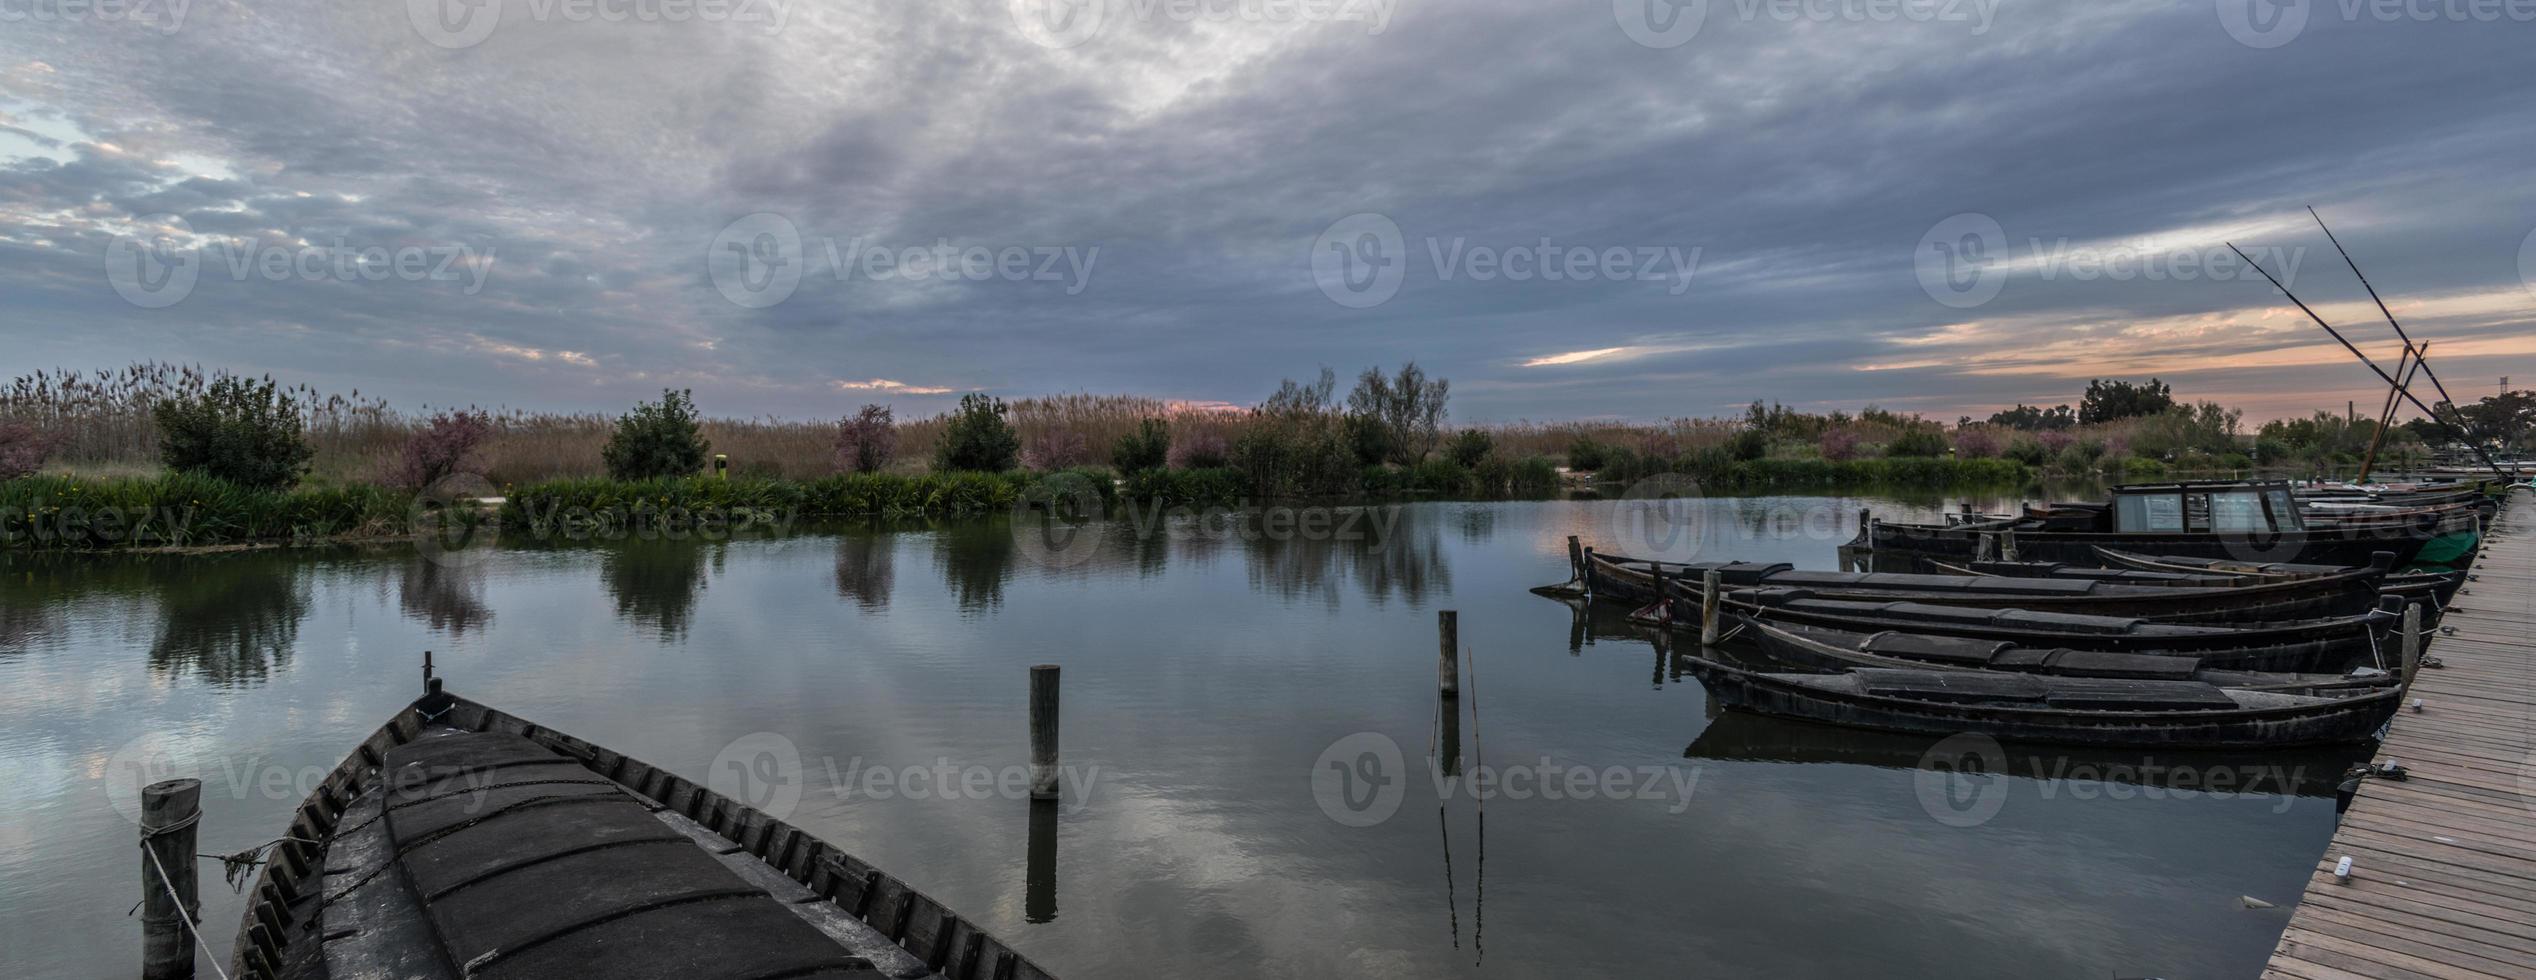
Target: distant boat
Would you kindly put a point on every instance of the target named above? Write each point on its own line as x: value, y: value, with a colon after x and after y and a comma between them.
x: 2237, y: 520
x: 1814, y: 646
x: 461, y: 842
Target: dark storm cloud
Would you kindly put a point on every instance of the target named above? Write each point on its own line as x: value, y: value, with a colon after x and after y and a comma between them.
x: 1178, y: 173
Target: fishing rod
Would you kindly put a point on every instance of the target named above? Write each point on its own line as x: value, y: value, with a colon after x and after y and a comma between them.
x: 2381, y: 305
x: 2373, y: 366
x: 2386, y: 413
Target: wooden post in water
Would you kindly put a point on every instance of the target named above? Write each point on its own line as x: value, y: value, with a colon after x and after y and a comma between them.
x: 1708, y: 589
x: 1575, y: 560
x: 1589, y: 572
x: 1663, y: 594
x: 170, y: 903
x: 1043, y: 732
x: 1448, y: 661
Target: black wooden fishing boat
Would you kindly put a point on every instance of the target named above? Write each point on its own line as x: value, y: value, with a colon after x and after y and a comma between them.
x: 2298, y: 645
x: 2067, y: 710
x: 1829, y: 649
x: 2212, y: 573
x: 2436, y: 583
x: 462, y: 842
x: 2245, y: 521
x: 2348, y: 593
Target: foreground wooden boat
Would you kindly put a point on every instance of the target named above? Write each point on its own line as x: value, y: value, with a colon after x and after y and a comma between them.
x: 459, y: 841
x: 2080, y: 711
x: 2349, y: 593
x: 1828, y: 649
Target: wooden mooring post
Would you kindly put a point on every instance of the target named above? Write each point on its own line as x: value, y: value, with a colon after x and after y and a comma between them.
x: 1043, y: 732
x: 1448, y: 662
x: 2007, y: 544
x: 170, y: 901
x: 1575, y: 560
x: 2412, y: 643
x: 1708, y: 587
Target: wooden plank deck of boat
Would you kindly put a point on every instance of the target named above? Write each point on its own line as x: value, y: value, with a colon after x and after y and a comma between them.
x: 2443, y: 880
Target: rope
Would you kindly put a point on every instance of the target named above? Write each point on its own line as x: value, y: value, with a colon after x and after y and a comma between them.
x: 183, y: 914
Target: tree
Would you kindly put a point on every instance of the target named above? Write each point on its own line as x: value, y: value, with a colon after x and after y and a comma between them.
x: 866, y: 439
x: 444, y: 446
x: 1147, y: 448
x: 977, y: 437
x: 2110, y: 400
x: 1470, y: 447
x: 245, y: 432
x: 2035, y: 418
x: 1408, y: 406
x: 657, y: 439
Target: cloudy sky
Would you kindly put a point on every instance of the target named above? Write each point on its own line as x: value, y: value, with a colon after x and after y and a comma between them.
x: 1573, y: 209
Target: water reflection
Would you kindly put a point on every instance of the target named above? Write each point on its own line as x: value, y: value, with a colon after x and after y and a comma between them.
x: 448, y: 597
x: 1386, y: 551
x: 656, y: 583
x: 976, y: 560
x: 866, y: 568
x: 229, y: 619
x: 1039, y: 894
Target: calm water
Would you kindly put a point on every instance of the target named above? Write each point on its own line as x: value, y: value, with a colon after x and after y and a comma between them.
x: 1205, y: 674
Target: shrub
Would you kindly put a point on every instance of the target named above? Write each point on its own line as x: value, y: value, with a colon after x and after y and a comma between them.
x: 1367, y: 438
x: 1586, y: 455
x: 1297, y: 458
x: 866, y: 440
x: 977, y: 438
x: 1443, y: 477
x: 1057, y: 449
x: 1976, y: 443
x: 23, y: 448
x: 243, y: 432
x: 1469, y: 446
x: 1147, y: 448
x: 1838, y: 444
x: 445, y: 445
x: 1749, y: 443
x: 657, y: 439
x: 1917, y: 441
x: 1409, y: 408
x: 1199, y: 449
x: 2028, y: 451
x: 1534, y: 476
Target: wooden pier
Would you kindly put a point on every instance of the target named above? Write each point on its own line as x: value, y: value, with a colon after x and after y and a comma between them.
x: 2442, y: 881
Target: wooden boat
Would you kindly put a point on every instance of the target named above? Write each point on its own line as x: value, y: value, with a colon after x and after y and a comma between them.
x: 2299, y: 645
x: 2068, y: 710
x: 2346, y: 594
x: 459, y: 841
x: 2437, y: 582
x: 1816, y: 647
x: 1747, y: 736
x: 2414, y: 585
x: 2246, y: 521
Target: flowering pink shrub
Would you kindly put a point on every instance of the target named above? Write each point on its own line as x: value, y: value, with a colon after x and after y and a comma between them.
x: 1977, y: 443
x: 1195, y: 448
x: 1056, y: 449
x: 23, y: 448
x: 2055, y: 439
x: 445, y: 445
x: 866, y: 440
x: 2117, y: 447
x: 1839, y: 444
